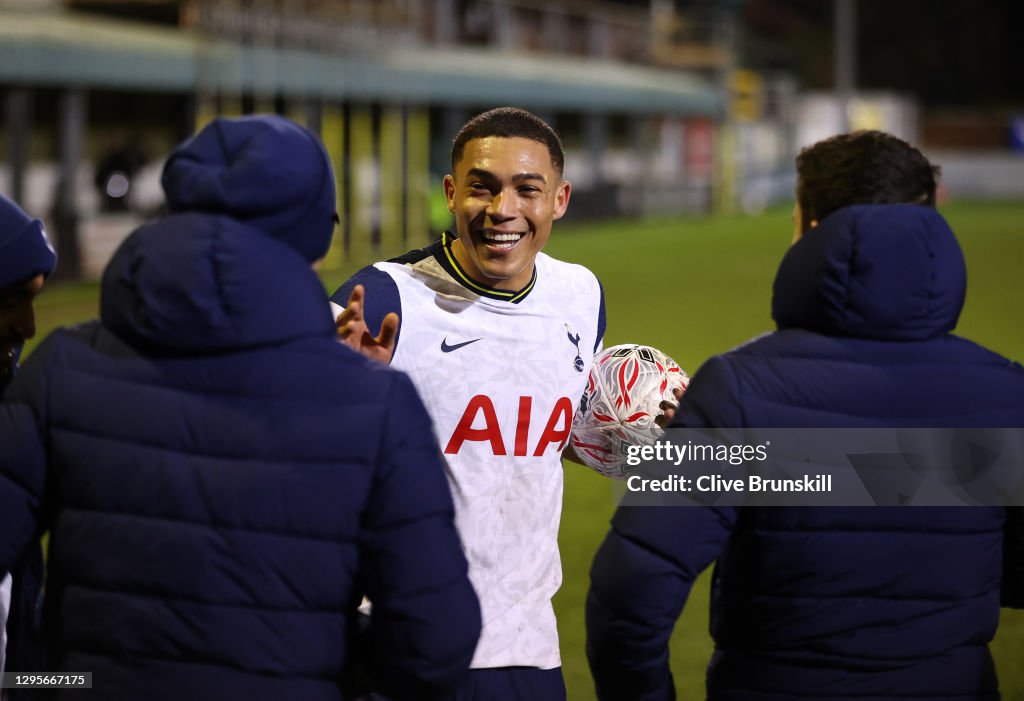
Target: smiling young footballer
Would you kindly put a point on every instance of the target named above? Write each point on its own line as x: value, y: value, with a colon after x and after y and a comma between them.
x: 498, y: 338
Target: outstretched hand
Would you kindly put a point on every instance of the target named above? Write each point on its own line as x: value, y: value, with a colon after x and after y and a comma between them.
x: 354, y: 333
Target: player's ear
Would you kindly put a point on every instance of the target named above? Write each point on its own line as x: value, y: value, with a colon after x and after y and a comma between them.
x: 562, y: 193
x: 449, y: 192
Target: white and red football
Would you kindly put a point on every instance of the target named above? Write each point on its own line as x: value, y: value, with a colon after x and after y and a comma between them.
x: 624, y: 392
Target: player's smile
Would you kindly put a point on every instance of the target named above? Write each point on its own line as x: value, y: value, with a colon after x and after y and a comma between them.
x: 501, y: 240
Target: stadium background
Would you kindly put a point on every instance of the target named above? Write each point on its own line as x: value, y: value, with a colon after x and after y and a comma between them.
x: 681, y: 125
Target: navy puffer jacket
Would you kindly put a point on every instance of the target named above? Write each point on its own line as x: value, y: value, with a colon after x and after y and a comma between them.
x: 830, y: 603
x: 223, y: 482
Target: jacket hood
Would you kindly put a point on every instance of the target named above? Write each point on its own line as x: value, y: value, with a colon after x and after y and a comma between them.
x: 262, y: 170
x: 886, y: 272
x: 193, y: 283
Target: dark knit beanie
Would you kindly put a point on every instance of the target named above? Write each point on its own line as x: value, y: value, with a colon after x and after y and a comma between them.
x: 24, y: 249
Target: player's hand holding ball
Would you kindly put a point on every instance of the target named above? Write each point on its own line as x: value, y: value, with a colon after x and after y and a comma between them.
x: 630, y: 397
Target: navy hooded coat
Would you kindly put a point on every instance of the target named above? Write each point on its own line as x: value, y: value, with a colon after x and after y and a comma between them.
x: 223, y: 481
x: 830, y: 603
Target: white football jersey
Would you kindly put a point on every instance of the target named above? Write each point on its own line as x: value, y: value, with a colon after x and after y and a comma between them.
x: 501, y: 374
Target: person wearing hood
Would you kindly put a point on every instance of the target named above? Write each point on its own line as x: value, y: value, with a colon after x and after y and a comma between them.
x: 26, y: 260
x: 222, y: 479
x: 828, y: 602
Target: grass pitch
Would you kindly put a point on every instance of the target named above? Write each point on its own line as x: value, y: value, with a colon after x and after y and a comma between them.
x: 694, y: 288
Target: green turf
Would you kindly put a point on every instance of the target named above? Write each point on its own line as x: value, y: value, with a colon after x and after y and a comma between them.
x: 696, y: 287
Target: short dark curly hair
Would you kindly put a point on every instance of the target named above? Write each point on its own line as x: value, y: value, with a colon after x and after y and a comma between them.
x: 510, y: 122
x: 862, y: 167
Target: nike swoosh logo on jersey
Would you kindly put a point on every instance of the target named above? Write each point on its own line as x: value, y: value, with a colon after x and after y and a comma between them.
x: 445, y: 348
